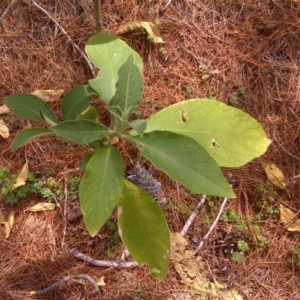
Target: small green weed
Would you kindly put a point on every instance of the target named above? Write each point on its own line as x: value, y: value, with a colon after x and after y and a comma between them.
x: 267, y: 198
x: 115, y: 239
x: 296, y: 251
x: 243, y: 248
x: 46, y: 188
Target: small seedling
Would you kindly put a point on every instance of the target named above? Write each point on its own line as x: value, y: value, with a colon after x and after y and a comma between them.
x: 239, y: 255
x: 177, y: 140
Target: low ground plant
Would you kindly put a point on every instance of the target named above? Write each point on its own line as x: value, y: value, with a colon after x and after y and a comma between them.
x: 189, y: 141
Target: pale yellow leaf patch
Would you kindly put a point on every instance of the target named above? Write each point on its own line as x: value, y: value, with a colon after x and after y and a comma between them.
x: 22, y: 177
x: 48, y: 95
x: 150, y: 28
x: 291, y: 222
x: 4, y: 131
x: 276, y: 176
x: 4, y: 110
x: 41, y: 207
x: 100, y: 281
x: 8, y: 225
x: 191, y: 271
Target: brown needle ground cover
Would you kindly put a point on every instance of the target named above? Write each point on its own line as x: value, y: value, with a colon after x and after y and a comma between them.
x: 249, y: 50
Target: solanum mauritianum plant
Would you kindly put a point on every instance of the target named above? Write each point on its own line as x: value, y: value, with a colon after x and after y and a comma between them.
x: 188, y: 141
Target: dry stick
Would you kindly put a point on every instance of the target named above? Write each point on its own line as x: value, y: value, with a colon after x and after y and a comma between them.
x: 212, y: 227
x: 101, y: 263
x: 192, y: 216
x: 67, y: 35
x: 97, y: 7
x: 166, y: 5
x: 65, y: 279
x: 7, y: 10
x: 65, y: 213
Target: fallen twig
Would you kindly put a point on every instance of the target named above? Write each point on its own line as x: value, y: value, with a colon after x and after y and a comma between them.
x: 7, y: 10
x: 65, y: 279
x: 67, y: 35
x: 192, y: 217
x: 101, y: 263
x: 211, y: 227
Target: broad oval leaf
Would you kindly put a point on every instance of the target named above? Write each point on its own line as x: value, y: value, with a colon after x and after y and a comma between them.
x: 27, y: 135
x: 185, y: 161
x: 108, y: 53
x: 80, y: 131
x: 228, y: 134
x: 91, y: 113
x: 29, y: 106
x: 76, y: 101
x: 101, y: 187
x: 143, y: 229
x: 129, y: 87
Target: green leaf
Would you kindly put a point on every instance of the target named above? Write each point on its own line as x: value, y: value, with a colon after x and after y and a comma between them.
x: 229, y: 135
x: 27, y: 135
x: 76, y: 101
x: 90, y: 113
x: 129, y: 87
x: 143, y: 229
x: 101, y: 187
x: 85, y: 161
x: 80, y: 131
x: 139, y: 126
x: 119, y: 123
x: 108, y: 53
x: 185, y: 161
x: 46, y: 119
x: 29, y: 106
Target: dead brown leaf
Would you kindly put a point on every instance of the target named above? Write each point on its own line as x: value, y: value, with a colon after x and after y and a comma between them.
x: 4, y: 110
x: 290, y: 220
x: 48, y: 95
x: 4, y: 131
x: 150, y: 28
x: 41, y: 207
x: 276, y: 176
x: 190, y: 270
x: 22, y: 177
x: 8, y: 225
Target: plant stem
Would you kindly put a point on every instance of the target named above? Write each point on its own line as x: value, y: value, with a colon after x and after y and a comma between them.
x: 97, y: 7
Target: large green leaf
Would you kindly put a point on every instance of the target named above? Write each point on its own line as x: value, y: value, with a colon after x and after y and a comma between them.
x: 27, y: 135
x: 144, y: 230
x: 29, y: 106
x: 229, y: 135
x: 129, y: 87
x: 101, y: 187
x: 80, y: 131
x: 185, y: 161
x: 76, y: 101
x: 108, y: 53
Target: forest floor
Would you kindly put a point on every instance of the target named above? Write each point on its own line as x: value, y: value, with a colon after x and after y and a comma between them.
x: 243, y: 53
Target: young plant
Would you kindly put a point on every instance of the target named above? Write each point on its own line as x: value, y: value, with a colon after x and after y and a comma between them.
x: 188, y: 141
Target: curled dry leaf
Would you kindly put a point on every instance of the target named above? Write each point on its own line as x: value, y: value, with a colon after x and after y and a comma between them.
x: 48, y: 95
x: 4, y: 131
x: 150, y: 28
x: 22, y: 177
x: 290, y: 220
x: 4, y: 110
x: 8, y: 224
x: 41, y: 207
x: 276, y: 176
